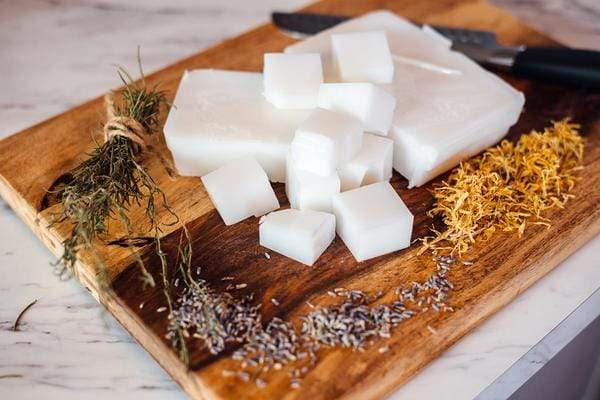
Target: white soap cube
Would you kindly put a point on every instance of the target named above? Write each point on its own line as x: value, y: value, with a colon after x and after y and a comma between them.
x: 372, y: 220
x: 362, y: 57
x: 325, y: 140
x: 300, y: 235
x: 371, y: 105
x: 220, y: 116
x: 240, y: 190
x: 351, y: 175
x: 291, y: 81
x: 372, y: 164
x: 309, y: 191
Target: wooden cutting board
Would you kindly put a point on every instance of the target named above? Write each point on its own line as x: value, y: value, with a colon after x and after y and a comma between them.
x: 33, y: 160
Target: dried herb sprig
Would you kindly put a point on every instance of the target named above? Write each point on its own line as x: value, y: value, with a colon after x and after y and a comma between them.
x: 21, y: 314
x: 111, y: 180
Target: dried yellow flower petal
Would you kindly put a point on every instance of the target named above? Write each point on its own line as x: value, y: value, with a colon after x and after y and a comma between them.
x: 507, y: 188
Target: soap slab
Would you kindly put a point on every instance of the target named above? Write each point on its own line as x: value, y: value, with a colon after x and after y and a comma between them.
x: 240, y: 189
x: 291, y: 81
x: 220, y: 116
x: 300, y: 235
x: 362, y: 57
x: 448, y: 108
x: 372, y: 220
x: 371, y: 105
x: 325, y: 140
x: 309, y: 191
x: 372, y: 164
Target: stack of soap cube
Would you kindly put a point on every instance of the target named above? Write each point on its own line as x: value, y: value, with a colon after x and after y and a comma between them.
x: 325, y: 140
x: 323, y: 143
x: 331, y: 153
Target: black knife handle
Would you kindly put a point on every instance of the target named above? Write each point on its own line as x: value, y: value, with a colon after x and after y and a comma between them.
x: 557, y: 65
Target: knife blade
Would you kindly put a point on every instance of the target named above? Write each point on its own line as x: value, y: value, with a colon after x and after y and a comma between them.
x: 575, y: 67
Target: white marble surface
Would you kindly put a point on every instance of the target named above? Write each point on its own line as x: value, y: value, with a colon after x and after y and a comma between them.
x: 531, y: 362
x: 55, y: 54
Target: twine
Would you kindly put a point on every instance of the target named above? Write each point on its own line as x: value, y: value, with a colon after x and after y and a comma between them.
x: 120, y: 125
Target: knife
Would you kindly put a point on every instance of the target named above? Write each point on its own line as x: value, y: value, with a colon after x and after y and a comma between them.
x: 574, y: 67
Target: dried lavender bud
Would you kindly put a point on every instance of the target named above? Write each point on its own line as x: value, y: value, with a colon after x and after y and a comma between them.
x: 215, y: 318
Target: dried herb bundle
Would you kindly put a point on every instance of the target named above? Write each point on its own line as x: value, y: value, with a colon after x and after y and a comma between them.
x: 105, y: 186
x: 111, y: 180
x: 507, y: 188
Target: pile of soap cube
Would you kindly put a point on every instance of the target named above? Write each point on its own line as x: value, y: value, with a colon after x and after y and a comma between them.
x: 339, y: 162
x: 331, y: 117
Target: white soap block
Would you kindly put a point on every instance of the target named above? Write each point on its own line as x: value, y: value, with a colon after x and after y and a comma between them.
x: 309, y: 191
x: 220, y: 116
x: 372, y: 220
x: 448, y: 108
x: 362, y: 57
x: 291, y: 81
x: 372, y: 164
x: 300, y: 235
x: 325, y: 140
x: 240, y: 190
x: 371, y: 105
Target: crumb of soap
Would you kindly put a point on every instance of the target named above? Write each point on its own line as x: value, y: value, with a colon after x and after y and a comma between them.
x: 384, y: 349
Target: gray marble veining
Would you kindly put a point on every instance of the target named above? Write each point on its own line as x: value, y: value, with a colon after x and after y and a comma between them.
x: 55, y: 54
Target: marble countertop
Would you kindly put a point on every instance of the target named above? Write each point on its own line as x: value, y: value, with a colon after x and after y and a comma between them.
x: 56, y: 54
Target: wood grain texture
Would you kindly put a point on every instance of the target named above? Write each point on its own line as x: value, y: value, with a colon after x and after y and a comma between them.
x: 32, y: 160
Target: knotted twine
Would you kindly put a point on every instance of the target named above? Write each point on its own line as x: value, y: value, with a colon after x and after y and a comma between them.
x: 121, y: 125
